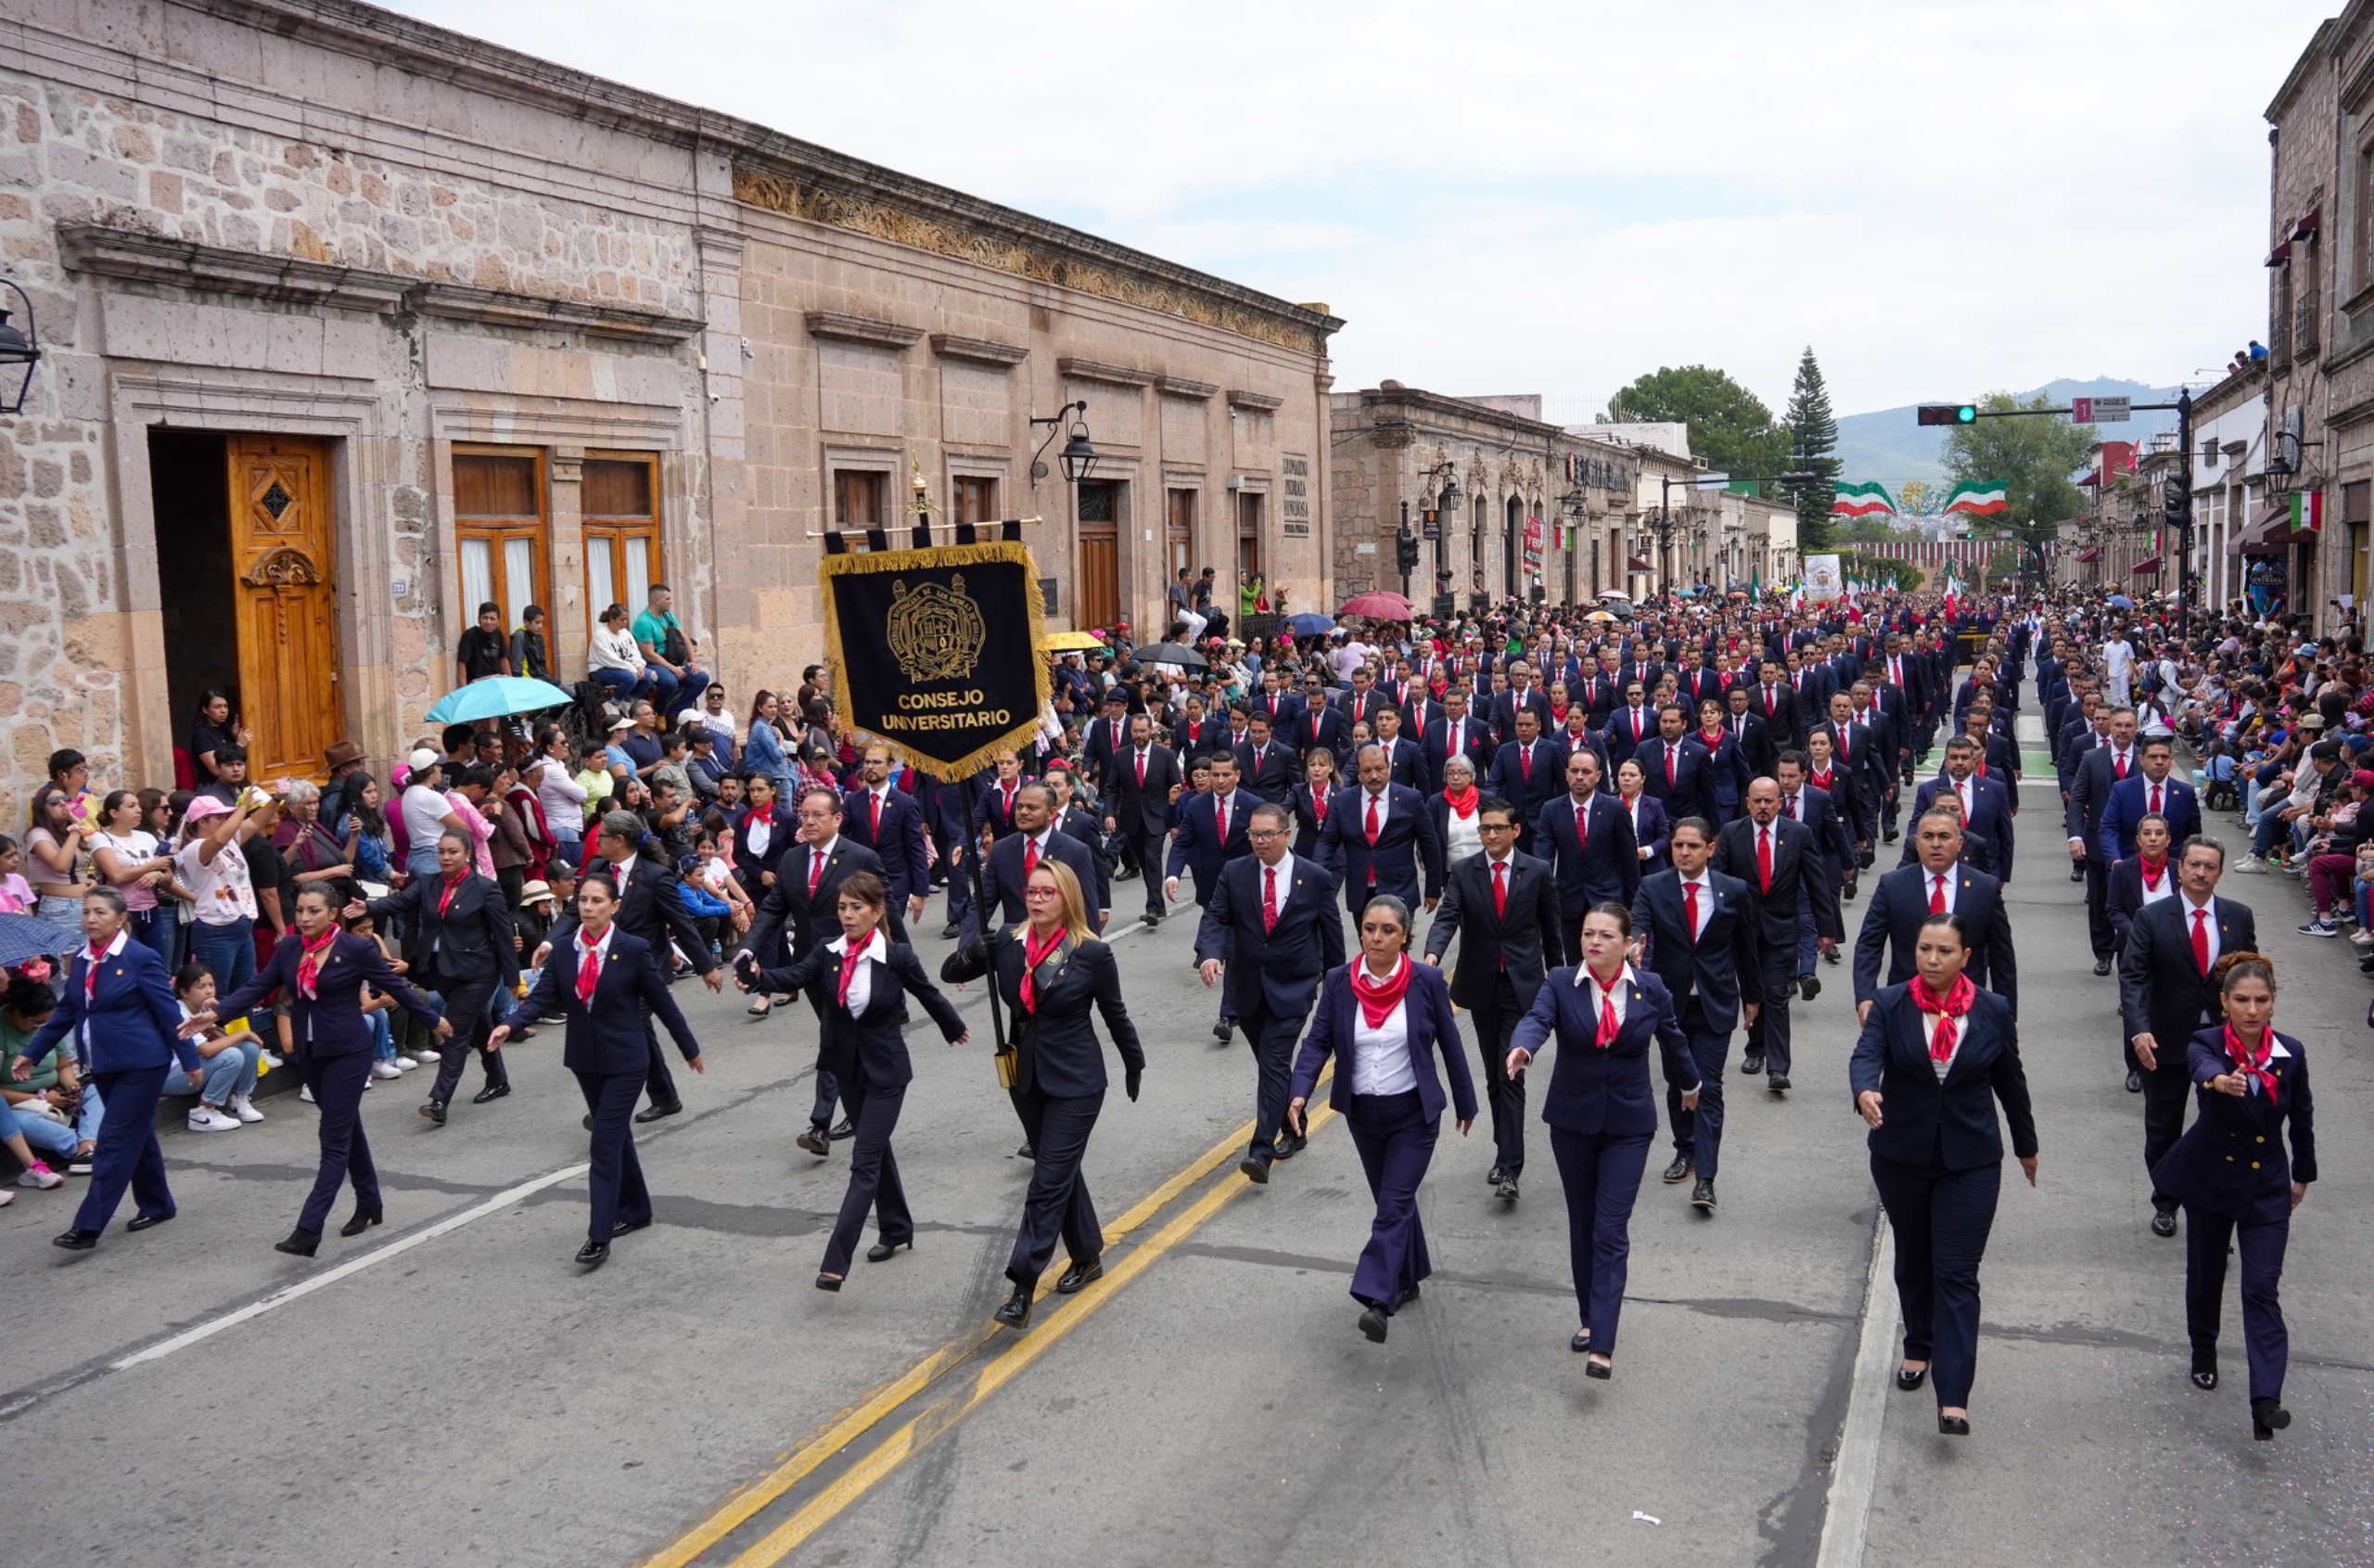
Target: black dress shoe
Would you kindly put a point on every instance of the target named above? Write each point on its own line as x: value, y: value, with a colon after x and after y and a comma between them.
x: 828, y: 1281
x: 144, y: 1221
x: 1374, y: 1323
x: 882, y: 1251
x: 653, y: 1112
x: 1288, y: 1145
x: 1497, y: 1175
x: 629, y: 1226
x: 301, y: 1243
x: 1679, y: 1169
x: 1909, y: 1382
x: 2134, y: 1081
x: 1702, y: 1194
x: 815, y: 1141
x: 1409, y: 1294
x: 1508, y: 1190
x: 1224, y: 1031
x: 363, y: 1220
x: 1028, y: 1151
x: 1079, y: 1275
x: 593, y: 1255
x: 1954, y: 1426
x: 589, y: 1121
x: 2164, y: 1221
x: 1888, y: 838
x: 1154, y: 918
x: 2101, y: 966
x: 2205, y: 1368
x: 2267, y: 1418
x: 1778, y: 1083
x: 491, y: 1093
x: 1581, y: 1342
x: 1752, y: 1064
x: 951, y: 930
x: 1810, y: 988
x: 1599, y: 1369
x: 846, y: 1130
x: 76, y: 1240
x: 1255, y: 1170
x: 2077, y: 872
x: 435, y: 1111
x: 1014, y: 1311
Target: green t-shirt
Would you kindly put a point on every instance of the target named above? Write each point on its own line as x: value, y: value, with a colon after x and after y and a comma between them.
x: 13, y: 1039
x: 653, y: 628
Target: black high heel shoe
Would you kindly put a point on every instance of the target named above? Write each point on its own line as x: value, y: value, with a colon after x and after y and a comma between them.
x: 2205, y: 1368
x: 363, y: 1220
x: 881, y: 1252
x: 1953, y: 1426
x: 1014, y: 1311
x: 828, y: 1281
x: 2267, y: 1418
x: 1911, y: 1381
x: 1596, y: 1368
x: 1581, y: 1343
x: 301, y: 1243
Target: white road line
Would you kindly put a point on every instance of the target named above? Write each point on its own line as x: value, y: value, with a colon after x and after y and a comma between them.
x: 1857, y: 1466
x: 504, y: 1199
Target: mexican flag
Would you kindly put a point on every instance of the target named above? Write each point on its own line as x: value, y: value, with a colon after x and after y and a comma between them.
x: 1861, y: 501
x: 2308, y: 510
x: 1983, y: 497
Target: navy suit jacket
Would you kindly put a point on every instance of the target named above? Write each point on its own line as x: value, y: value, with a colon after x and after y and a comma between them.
x: 1056, y: 1046
x: 1324, y: 726
x: 134, y: 1021
x: 1001, y: 878
x: 2129, y: 803
x: 1604, y: 1089
x: 1529, y: 791
x: 1621, y: 724
x: 2231, y: 1160
x: 1652, y: 830
x: 2124, y: 897
x: 2089, y: 792
x: 1407, y: 840
x: 1433, y: 1031
x: 331, y: 1023
x: 1989, y: 817
x: 1279, y: 969
x: 874, y: 1041
x: 652, y: 911
x: 1891, y: 922
x: 606, y: 1037
x: 1691, y: 793
x: 1599, y: 865
x: 1197, y: 843
x: 1725, y: 961
x: 2160, y: 988
x: 1506, y: 708
x: 1475, y: 744
x: 901, y: 846
x: 1924, y: 1121
x: 1727, y: 773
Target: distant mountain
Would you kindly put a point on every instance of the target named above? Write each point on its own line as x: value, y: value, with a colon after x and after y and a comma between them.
x: 1887, y: 446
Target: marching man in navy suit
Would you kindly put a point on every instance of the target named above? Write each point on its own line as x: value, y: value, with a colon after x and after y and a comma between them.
x: 1212, y: 828
x: 1456, y: 735
x: 1697, y: 931
x: 887, y: 821
x: 1601, y: 1111
x: 1985, y: 803
x: 1379, y: 832
x: 1679, y: 771
x: 1940, y: 884
x: 1586, y: 837
x: 603, y: 982
x: 1529, y: 774
x: 1781, y: 863
x: 1270, y: 926
x: 117, y: 1003
x: 2237, y: 1185
x: 2147, y: 793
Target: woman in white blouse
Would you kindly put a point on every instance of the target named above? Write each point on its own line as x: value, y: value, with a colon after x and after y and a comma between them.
x: 615, y: 661
x: 1384, y: 1019
x: 1462, y: 821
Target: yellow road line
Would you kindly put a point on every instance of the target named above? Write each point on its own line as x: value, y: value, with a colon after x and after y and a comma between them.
x: 795, y: 1466
x: 900, y: 1444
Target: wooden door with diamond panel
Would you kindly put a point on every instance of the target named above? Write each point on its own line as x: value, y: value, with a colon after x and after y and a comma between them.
x: 283, y: 574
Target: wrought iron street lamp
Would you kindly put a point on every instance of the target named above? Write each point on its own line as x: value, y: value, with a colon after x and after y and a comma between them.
x: 19, y: 351
x: 1078, y: 456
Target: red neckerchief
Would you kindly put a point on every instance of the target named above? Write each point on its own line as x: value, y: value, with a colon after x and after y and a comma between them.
x: 1608, y: 1025
x: 589, y: 967
x: 1463, y: 807
x: 1953, y: 1004
x: 1034, y: 953
x: 1714, y: 737
x: 90, y: 962
x: 2152, y: 872
x: 2251, y: 1066
x: 1379, y: 998
x: 309, y: 966
x: 445, y: 899
x: 850, y: 961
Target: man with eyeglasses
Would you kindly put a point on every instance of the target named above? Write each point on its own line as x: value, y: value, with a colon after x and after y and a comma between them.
x: 1271, y: 928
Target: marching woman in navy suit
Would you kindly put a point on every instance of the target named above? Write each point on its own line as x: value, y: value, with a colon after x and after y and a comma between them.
x: 1384, y: 1019
x: 1935, y: 1054
x: 1053, y: 973
x: 2236, y: 1184
x: 600, y: 981
x: 1601, y: 1111
x: 1311, y: 798
x: 322, y: 974
x: 1650, y: 830
x: 118, y: 1006
x: 864, y: 1047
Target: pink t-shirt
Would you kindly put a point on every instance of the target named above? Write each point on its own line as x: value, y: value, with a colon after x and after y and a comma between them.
x: 481, y: 831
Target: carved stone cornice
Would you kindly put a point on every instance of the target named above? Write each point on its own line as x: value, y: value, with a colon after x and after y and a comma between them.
x: 1180, y: 386
x: 846, y: 328
x: 148, y: 258
x: 503, y: 307
x: 1111, y: 375
x: 1260, y: 401
x: 980, y: 351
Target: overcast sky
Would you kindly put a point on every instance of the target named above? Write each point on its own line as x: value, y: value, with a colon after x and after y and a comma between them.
x: 1942, y: 199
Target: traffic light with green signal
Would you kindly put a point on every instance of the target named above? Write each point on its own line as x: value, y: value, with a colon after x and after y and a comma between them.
x: 1947, y: 413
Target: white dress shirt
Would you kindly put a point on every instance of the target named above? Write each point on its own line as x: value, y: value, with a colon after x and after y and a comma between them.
x: 1928, y: 1025
x: 1380, y: 1056
x: 876, y: 950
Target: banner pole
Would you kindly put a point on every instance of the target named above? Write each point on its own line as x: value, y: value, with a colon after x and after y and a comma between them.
x: 982, y: 914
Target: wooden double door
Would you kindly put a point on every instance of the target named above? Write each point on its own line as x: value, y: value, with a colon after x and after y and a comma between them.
x: 284, y: 579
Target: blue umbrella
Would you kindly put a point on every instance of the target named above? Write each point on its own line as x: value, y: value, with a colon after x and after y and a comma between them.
x: 28, y: 936
x: 495, y: 696
x: 1310, y: 625
x: 2121, y: 602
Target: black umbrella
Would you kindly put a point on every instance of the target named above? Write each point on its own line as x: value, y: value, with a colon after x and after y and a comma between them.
x: 24, y: 936
x: 1173, y: 652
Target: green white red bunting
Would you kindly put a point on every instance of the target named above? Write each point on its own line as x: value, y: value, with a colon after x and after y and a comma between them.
x: 2308, y: 510
x: 1862, y: 501
x: 1982, y: 497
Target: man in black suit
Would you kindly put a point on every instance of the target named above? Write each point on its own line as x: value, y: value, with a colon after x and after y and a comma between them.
x: 1457, y: 735
x: 1779, y: 860
x: 1362, y: 707
x: 2166, y: 995
x: 1813, y: 683
x: 1749, y: 732
x: 887, y: 821
x: 1265, y: 766
x: 1080, y: 823
x: 1594, y: 856
x: 1529, y: 773
x: 1006, y: 869
x: 1866, y: 759
x: 1271, y: 927
x: 1678, y: 771
x: 1939, y: 883
x: 1522, y: 694
x: 1106, y: 734
x: 1406, y: 760
x: 1507, y: 904
x: 2090, y: 783
x: 650, y: 907
x: 1321, y: 723
x: 1276, y: 704
x: 1144, y: 777
x: 1775, y: 702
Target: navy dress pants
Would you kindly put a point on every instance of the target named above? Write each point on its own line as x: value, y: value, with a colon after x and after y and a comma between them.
x: 1496, y: 1026
x: 1602, y: 1174
x: 1058, y: 1201
x: 1769, y: 1035
x: 1395, y: 1142
x: 1941, y: 1219
x: 468, y: 1004
x: 1699, y: 1133
x: 614, y: 1187
x: 338, y: 1083
x: 2264, y: 1339
x: 128, y: 1154
x: 1272, y: 1038
x: 873, y: 1172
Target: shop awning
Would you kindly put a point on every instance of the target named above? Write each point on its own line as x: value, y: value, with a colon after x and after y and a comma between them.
x: 2148, y: 566
x: 2242, y: 539
x: 1637, y: 565
x: 2088, y: 557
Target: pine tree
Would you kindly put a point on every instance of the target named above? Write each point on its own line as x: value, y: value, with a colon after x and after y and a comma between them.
x: 1813, y: 436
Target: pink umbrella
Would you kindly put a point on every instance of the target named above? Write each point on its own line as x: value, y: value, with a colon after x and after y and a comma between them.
x: 1380, y: 604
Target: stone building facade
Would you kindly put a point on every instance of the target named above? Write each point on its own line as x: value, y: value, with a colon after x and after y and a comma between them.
x: 350, y: 322
x: 1477, y: 480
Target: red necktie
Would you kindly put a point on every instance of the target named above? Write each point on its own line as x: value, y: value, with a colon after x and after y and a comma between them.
x: 1690, y: 909
x: 1219, y: 819
x: 1608, y: 1027
x: 875, y: 834
x: 2120, y: 763
x: 2201, y: 940
x: 1764, y: 857
x: 1582, y: 824
x: 1372, y: 824
x: 1937, y: 895
x: 589, y: 972
x: 1029, y: 857
x: 1842, y: 744
x: 1501, y: 888
x: 815, y: 870
x: 1142, y: 770
x: 1269, y: 899
x: 1672, y: 782
x: 1524, y: 763
x: 1789, y: 803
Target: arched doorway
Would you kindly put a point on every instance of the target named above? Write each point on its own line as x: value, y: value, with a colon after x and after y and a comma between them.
x: 1512, y: 548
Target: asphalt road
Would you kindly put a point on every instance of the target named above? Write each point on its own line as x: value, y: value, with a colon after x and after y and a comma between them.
x: 461, y: 1394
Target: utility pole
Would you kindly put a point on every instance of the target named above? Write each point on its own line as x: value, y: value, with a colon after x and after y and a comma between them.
x: 2180, y: 505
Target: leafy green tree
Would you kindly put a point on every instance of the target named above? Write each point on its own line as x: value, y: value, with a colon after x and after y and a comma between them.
x: 2033, y: 455
x: 1731, y: 429
x: 1813, y: 436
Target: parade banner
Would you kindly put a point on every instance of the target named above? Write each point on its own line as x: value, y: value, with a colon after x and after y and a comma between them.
x: 939, y: 653
x: 1823, y: 580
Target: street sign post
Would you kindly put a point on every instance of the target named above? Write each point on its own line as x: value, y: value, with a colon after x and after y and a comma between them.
x: 2100, y: 411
